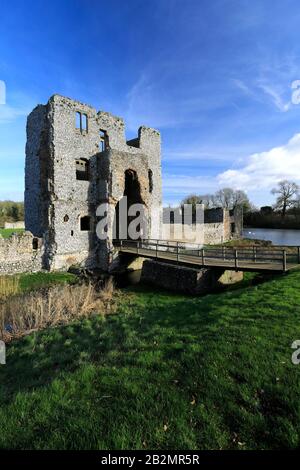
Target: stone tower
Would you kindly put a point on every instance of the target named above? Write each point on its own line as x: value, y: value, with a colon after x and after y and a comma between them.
x: 76, y: 159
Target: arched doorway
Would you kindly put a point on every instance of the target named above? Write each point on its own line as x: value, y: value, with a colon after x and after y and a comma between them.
x: 132, y: 191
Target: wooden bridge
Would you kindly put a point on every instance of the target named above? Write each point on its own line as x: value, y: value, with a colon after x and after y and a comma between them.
x: 252, y: 258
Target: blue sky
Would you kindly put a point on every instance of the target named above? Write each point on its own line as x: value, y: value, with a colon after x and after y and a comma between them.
x: 214, y: 77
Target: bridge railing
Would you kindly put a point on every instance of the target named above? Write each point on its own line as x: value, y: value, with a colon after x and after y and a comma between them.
x: 282, y: 256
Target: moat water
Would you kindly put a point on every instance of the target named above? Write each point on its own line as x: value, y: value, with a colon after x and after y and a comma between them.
x: 276, y: 236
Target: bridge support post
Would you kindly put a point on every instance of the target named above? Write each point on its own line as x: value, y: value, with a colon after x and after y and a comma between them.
x: 236, y: 259
x: 254, y: 254
x: 202, y: 254
x: 298, y: 254
x: 284, y: 260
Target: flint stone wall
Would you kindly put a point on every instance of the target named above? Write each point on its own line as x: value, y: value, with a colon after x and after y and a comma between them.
x: 21, y: 253
x: 56, y: 200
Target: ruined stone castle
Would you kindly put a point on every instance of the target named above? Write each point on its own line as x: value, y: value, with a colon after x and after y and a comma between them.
x: 78, y: 158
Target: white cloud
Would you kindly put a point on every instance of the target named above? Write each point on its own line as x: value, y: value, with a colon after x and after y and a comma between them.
x: 265, y: 169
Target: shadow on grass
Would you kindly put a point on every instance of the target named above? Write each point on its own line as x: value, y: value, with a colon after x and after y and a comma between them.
x: 215, y: 368
x: 39, y: 358
x: 148, y: 322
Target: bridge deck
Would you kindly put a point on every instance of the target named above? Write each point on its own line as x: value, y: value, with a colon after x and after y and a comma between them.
x: 241, y: 259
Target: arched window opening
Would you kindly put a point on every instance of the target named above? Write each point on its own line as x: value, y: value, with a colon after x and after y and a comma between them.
x: 104, y: 141
x: 150, y: 178
x: 81, y: 122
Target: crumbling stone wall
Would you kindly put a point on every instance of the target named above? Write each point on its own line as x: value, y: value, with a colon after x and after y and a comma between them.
x: 56, y: 200
x: 21, y: 253
x: 215, y: 233
x: 78, y: 158
x: 140, y: 156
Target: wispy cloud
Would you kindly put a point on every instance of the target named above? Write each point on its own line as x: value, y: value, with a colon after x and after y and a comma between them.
x: 176, y: 187
x: 266, y: 92
x: 146, y: 105
x: 10, y: 113
x: 17, y: 104
x: 224, y: 153
x: 276, y: 97
x: 242, y: 86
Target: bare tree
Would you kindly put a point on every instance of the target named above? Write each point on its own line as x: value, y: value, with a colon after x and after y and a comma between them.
x: 194, y: 199
x: 287, y: 193
x: 207, y: 200
x: 229, y: 198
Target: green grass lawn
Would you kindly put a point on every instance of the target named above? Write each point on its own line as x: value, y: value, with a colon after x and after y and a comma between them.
x: 7, y: 232
x: 166, y: 372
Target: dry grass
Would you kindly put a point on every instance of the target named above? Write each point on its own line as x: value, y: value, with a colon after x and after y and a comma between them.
x: 23, y: 314
x: 8, y: 286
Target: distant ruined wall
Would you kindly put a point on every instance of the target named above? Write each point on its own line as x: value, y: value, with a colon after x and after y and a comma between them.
x: 212, y: 233
x: 217, y: 226
x: 21, y: 253
x: 17, y: 225
x: 220, y: 225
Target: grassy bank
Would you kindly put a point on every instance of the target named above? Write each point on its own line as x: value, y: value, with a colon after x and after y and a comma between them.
x: 165, y: 372
x: 12, y: 285
x: 7, y: 232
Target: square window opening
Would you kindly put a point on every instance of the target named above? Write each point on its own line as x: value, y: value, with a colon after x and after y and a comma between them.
x: 85, y: 223
x: 82, y: 169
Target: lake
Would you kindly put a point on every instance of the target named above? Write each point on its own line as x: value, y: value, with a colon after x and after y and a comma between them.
x: 277, y: 236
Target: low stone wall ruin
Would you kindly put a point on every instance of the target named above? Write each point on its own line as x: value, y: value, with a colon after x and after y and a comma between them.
x: 15, y: 225
x: 212, y: 233
x: 21, y: 253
